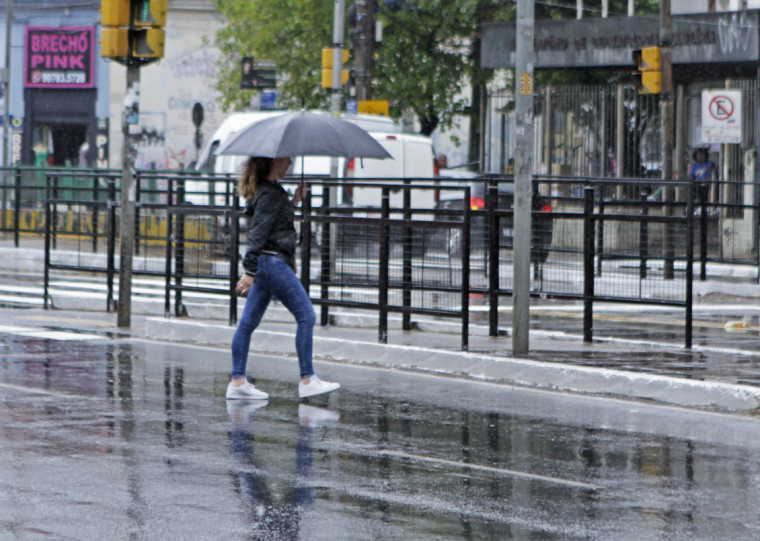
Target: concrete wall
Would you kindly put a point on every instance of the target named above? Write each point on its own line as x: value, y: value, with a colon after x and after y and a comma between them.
x: 170, y: 88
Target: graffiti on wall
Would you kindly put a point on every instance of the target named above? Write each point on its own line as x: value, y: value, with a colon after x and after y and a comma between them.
x: 167, y: 138
x: 151, y: 141
x: 734, y: 33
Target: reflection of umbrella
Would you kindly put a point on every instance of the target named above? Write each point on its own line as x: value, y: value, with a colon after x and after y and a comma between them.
x: 304, y: 134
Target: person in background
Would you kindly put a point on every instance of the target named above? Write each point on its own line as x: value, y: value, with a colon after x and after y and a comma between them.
x: 441, y: 162
x: 702, y: 171
x: 269, y: 265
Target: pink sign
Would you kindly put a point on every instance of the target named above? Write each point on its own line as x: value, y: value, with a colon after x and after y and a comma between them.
x: 59, y: 57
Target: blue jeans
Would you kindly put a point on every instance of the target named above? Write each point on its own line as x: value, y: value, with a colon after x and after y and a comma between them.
x: 274, y: 278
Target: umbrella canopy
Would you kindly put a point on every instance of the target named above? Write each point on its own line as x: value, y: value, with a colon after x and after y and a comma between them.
x: 304, y: 134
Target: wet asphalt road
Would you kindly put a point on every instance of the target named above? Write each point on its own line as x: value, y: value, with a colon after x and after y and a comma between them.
x: 103, y: 437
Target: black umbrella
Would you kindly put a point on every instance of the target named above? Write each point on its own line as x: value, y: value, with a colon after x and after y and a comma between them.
x: 304, y: 133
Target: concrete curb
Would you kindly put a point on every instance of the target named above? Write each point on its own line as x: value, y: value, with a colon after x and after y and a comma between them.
x: 554, y: 376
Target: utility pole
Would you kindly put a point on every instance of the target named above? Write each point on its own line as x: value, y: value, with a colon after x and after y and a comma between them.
x: 668, y: 131
x: 128, y: 193
x: 7, y: 100
x: 339, y: 14
x: 337, y: 66
x: 365, y: 26
x: 524, y: 63
x: 133, y: 36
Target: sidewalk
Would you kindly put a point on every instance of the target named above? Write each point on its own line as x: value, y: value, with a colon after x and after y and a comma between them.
x: 436, y: 351
x: 640, y: 368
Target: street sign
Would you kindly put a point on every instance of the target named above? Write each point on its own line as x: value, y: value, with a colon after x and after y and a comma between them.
x: 197, y: 115
x: 373, y: 107
x: 257, y: 74
x: 722, y: 116
x: 246, y: 74
x: 264, y: 74
x: 268, y: 100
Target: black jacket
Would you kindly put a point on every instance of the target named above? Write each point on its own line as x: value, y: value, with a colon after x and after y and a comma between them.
x: 271, y: 226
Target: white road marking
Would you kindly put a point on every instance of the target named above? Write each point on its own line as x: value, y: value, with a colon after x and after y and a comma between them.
x: 37, y: 390
x: 491, y: 469
x: 49, y: 335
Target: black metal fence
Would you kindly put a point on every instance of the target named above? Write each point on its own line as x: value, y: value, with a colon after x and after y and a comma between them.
x: 423, y: 247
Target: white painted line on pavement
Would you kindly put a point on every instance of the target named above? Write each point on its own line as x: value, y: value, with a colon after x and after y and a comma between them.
x: 37, y: 301
x: 625, y: 308
x: 491, y: 469
x: 49, y: 335
x: 37, y: 390
x: 612, y: 340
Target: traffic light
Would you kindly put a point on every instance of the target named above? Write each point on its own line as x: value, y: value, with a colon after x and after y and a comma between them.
x: 649, y: 62
x: 148, y: 36
x: 132, y: 29
x: 148, y: 43
x: 149, y: 13
x: 114, y: 17
x: 327, y: 65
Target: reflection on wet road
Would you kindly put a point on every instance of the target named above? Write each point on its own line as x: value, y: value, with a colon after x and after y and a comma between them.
x: 134, y: 440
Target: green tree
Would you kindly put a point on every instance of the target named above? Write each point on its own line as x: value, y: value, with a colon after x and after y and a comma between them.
x: 290, y: 32
x: 422, y: 64
x: 425, y: 59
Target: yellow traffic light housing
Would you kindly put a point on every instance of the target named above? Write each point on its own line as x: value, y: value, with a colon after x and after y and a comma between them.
x: 327, y: 65
x: 132, y: 30
x: 115, y: 13
x: 327, y: 77
x: 327, y: 57
x: 114, y: 42
x: 148, y: 43
x: 150, y: 13
x: 649, y: 63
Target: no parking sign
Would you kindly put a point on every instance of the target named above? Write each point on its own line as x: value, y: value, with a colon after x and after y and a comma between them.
x: 722, y: 116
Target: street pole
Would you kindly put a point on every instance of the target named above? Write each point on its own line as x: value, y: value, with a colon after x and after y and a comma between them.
x: 339, y: 16
x: 666, y: 114
x: 7, y: 105
x: 364, y: 49
x: 523, y: 173
x: 337, y: 86
x: 128, y: 193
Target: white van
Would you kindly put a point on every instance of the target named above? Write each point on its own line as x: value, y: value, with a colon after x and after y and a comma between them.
x: 199, y: 192
x: 413, y: 158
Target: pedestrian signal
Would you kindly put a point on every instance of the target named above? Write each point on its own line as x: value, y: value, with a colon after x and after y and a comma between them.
x: 148, y: 43
x: 648, y: 61
x: 149, y: 13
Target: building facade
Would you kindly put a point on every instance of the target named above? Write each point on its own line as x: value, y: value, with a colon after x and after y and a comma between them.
x: 66, y: 102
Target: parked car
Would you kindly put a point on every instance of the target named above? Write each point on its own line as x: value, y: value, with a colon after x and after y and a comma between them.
x: 452, y: 200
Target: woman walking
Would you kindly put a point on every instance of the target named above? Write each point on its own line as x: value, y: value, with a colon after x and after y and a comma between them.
x: 269, y: 265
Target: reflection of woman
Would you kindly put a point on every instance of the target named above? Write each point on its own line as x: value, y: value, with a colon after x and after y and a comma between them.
x: 269, y: 518
x: 269, y: 265
x: 274, y: 518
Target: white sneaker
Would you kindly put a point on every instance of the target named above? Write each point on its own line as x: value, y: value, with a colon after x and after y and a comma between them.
x: 240, y: 411
x: 246, y: 391
x: 316, y: 386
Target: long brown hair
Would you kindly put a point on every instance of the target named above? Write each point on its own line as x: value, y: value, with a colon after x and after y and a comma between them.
x: 256, y: 169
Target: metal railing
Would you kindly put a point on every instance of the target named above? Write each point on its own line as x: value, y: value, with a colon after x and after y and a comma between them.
x: 603, y: 240
x: 379, y: 258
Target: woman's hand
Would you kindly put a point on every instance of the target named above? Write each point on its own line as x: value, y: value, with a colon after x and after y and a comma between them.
x: 299, y: 194
x: 244, y: 284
